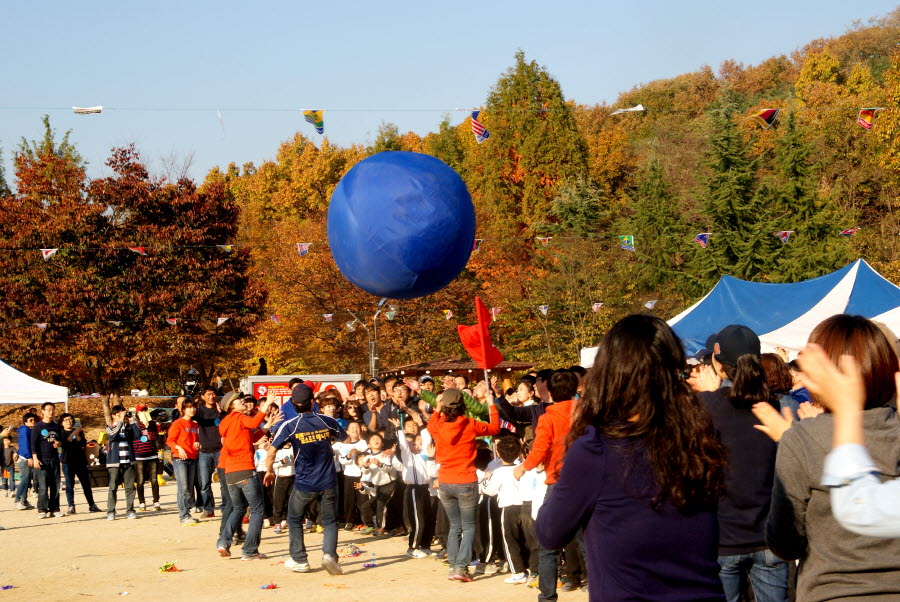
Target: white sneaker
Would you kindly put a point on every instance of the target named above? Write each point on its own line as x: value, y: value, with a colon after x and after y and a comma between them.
x: 267, y: 523
x: 44, y: 515
x: 517, y: 579
x: 21, y: 506
x: 142, y: 507
x: 157, y: 507
x: 416, y: 553
x: 110, y: 516
x: 331, y: 565
x: 132, y: 515
x: 298, y: 567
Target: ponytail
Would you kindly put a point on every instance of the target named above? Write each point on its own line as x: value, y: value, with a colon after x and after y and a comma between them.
x: 748, y: 384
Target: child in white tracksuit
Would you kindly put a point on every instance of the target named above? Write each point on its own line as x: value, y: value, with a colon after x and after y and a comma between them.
x: 412, y: 465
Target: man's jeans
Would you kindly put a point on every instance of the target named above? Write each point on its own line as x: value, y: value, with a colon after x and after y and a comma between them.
x: 48, y: 486
x: 768, y: 576
x: 124, y: 474
x: 206, y: 466
x: 299, y: 502
x: 246, y: 493
x: 24, y: 480
x: 460, y: 501
x: 185, y: 472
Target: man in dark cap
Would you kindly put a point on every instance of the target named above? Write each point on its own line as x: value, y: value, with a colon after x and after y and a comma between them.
x: 311, y: 436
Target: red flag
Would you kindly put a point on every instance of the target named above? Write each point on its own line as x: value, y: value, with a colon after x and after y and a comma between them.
x: 477, y: 340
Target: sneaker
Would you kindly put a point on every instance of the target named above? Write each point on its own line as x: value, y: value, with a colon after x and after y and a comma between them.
x: 223, y: 552
x: 570, y: 586
x: 189, y: 521
x: 298, y: 567
x: 460, y: 576
x: 21, y: 506
x: 368, y: 530
x: 44, y: 515
x: 320, y: 529
x: 491, y: 569
x: 348, y: 526
x: 245, y: 520
x: 132, y: 515
x: 142, y: 507
x: 28, y: 505
x: 157, y: 507
x: 209, y: 514
x: 277, y: 530
x: 416, y: 553
x: 397, y: 532
x: 71, y: 510
x: 534, y: 582
x: 257, y: 556
x: 239, y: 537
x: 266, y: 523
x: 331, y: 565
x: 517, y: 579
x: 94, y: 508
x: 111, y: 516
x: 477, y: 568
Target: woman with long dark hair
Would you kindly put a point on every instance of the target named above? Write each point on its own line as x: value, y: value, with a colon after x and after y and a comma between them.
x: 642, y: 473
x: 834, y: 562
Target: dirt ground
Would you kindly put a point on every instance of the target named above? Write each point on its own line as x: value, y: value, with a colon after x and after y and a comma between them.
x: 84, y: 555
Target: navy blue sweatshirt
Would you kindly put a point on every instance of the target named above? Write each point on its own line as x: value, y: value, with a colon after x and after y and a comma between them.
x: 634, y: 552
x: 43, y: 435
x: 744, y: 508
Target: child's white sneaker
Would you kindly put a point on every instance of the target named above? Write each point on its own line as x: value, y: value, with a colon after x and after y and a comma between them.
x: 517, y: 579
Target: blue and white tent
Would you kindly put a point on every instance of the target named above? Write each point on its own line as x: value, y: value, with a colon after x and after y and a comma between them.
x: 783, y: 315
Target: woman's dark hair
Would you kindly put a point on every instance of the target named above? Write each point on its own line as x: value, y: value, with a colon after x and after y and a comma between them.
x: 748, y: 383
x: 29, y: 416
x: 856, y: 336
x: 452, y: 413
x: 529, y: 384
x: 66, y: 415
x: 636, y: 388
x: 527, y: 378
x: 778, y: 377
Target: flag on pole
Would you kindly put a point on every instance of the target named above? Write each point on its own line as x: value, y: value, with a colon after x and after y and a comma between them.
x: 328, y: 317
x: 766, y: 117
x: 315, y: 117
x: 447, y: 314
x: 138, y: 250
x: 544, y: 309
x: 48, y: 253
x: 476, y: 244
x: 595, y: 307
x: 87, y: 110
x: 172, y: 321
x: 495, y: 311
x: 544, y: 240
x: 477, y: 340
x: 627, y: 242
x: 635, y: 108
x: 226, y: 248
x: 651, y: 304
x: 481, y: 133
x: 303, y: 248
x: 508, y: 426
x: 784, y: 235
x: 849, y: 231
x: 866, y: 117
x: 222, y: 320
x: 702, y: 239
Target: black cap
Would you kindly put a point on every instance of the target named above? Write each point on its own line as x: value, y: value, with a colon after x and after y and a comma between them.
x: 422, y: 379
x: 301, y: 395
x: 734, y: 341
x: 452, y: 399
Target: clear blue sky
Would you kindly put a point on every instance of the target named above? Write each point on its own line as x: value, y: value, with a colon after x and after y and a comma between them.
x: 403, y: 62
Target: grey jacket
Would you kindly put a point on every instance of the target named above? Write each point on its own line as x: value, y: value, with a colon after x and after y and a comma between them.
x: 834, y: 563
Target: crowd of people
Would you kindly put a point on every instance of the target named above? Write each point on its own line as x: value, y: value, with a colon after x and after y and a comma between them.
x: 651, y: 476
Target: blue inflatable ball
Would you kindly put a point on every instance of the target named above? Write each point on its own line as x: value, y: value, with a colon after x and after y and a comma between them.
x: 401, y: 225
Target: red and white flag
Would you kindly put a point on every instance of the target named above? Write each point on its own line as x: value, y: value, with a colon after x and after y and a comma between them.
x: 172, y: 321
x: 138, y: 250
x: 222, y: 320
x: 48, y: 253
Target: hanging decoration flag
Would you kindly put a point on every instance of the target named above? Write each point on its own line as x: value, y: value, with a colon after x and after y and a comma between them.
x: 222, y: 320
x: 41, y: 325
x: 481, y: 133
x: 702, y: 239
x: 303, y: 248
x: 226, y: 248
x: 784, y: 235
x: 447, y: 314
x: 544, y: 240
x: 595, y: 307
x: 544, y: 309
x: 495, y: 311
x: 315, y: 117
x: 115, y: 322
x: 328, y: 317
x: 172, y: 321
x: 221, y: 123
x: 627, y: 242
x: 275, y: 318
x: 866, y: 116
x: 87, y: 110
x: 476, y: 244
x: 48, y: 253
x: 651, y: 304
x: 766, y: 117
x: 138, y: 250
x: 635, y: 108
x: 849, y: 231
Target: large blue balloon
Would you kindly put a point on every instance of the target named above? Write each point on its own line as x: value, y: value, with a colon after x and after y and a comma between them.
x: 401, y: 225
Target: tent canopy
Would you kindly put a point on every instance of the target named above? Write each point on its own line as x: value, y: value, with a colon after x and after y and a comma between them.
x: 17, y: 388
x: 783, y: 315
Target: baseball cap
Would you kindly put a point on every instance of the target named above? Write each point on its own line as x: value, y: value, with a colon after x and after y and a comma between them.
x: 301, y: 395
x: 425, y: 378
x: 734, y: 341
x: 452, y: 399
x: 140, y: 407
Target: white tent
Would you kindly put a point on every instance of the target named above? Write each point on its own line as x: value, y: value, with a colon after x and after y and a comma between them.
x: 17, y: 388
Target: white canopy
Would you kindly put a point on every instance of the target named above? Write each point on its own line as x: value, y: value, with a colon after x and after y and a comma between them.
x: 17, y: 388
